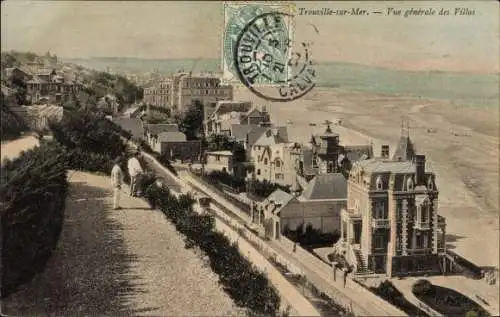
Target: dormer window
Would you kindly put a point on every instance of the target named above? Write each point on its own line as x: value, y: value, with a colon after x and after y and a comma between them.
x: 409, y: 184
x: 265, y: 161
x: 379, y: 183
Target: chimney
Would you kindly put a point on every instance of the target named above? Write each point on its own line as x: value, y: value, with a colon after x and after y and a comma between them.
x: 385, y: 151
x: 420, y: 170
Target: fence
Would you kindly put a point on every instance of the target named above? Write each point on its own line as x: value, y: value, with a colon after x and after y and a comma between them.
x: 220, y: 191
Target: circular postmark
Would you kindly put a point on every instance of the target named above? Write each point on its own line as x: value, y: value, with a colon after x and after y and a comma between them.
x: 265, y: 63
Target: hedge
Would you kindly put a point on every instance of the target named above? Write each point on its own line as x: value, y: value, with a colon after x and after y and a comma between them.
x: 33, y: 192
x: 245, y: 284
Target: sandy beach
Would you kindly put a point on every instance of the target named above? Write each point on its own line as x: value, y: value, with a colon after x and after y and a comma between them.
x: 460, y: 142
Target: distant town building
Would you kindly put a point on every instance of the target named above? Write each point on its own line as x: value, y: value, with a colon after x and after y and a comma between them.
x: 159, y: 95
x: 391, y: 223
x: 46, y: 85
x: 179, y: 91
x: 226, y: 114
x: 17, y: 75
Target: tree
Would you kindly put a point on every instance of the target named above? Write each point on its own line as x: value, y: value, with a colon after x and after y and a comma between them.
x: 191, y: 121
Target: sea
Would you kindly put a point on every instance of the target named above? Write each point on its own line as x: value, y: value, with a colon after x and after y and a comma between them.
x: 465, y: 89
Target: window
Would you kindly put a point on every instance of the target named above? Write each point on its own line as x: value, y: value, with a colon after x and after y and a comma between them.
x: 217, y: 158
x: 379, y: 210
x: 258, y: 172
x: 409, y: 184
x: 206, y: 92
x: 430, y: 184
x: 278, y: 163
x: 379, y: 183
x: 279, y: 176
x: 265, y: 161
x: 399, y: 242
x: 379, y: 241
x: 420, y: 240
x: 315, y: 162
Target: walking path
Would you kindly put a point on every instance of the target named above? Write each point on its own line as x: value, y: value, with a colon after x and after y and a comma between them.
x: 288, y: 293
x: 362, y: 305
x: 119, y: 263
x: 12, y: 149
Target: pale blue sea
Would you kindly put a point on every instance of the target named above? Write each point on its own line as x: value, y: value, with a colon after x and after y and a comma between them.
x: 474, y: 90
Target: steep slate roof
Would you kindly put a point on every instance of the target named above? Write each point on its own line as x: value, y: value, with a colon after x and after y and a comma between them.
x: 155, y: 129
x: 133, y: 125
x: 384, y: 166
x: 255, y: 134
x: 171, y: 137
x: 279, y: 197
x: 269, y: 137
x: 326, y: 186
x: 405, y: 151
x: 239, y: 131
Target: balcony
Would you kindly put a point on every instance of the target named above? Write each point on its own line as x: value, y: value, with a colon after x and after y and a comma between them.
x: 422, y: 225
x: 380, y: 223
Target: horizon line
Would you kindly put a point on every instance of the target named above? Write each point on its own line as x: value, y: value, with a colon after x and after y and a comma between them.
x: 493, y: 72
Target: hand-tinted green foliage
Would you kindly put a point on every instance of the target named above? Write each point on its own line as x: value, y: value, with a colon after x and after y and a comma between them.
x: 11, y: 125
x: 219, y: 142
x: 390, y: 293
x: 191, y: 121
x: 33, y: 191
x: 311, y: 237
x: 226, y: 179
x: 246, y: 285
x: 264, y: 188
x: 89, y: 132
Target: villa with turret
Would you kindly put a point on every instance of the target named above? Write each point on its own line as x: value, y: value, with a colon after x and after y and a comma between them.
x: 391, y: 224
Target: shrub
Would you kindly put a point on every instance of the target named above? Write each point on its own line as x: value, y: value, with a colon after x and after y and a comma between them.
x: 311, y: 238
x: 247, y: 286
x: 226, y: 179
x: 422, y: 287
x: 264, y: 188
x: 390, y: 293
x: 33, y: 192
x: 89, y: 133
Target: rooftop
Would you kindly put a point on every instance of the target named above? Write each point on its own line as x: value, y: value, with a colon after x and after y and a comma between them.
x: 132, y: 125
x: 171, y: 137
x: 379, y: 165
x: 326, y: 186
x: 155, y: 129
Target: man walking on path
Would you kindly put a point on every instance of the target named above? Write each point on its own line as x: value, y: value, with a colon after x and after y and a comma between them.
x: 116, y: 182
x: 134, y: 170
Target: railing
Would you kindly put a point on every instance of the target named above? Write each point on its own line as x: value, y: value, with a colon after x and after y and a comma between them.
x: 380, y: 223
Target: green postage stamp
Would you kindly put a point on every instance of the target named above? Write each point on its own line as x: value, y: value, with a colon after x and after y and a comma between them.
x: 273, y: 50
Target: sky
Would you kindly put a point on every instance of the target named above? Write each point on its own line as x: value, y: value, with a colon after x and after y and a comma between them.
x: 80, y: 29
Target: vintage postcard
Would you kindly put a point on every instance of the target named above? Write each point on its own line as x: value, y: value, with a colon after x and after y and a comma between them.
x: 249, y: 158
